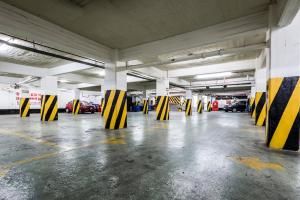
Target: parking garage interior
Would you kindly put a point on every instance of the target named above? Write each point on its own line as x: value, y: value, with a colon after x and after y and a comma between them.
x: 146, y: 99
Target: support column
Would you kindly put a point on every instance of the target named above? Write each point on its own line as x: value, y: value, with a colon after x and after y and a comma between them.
x: 49, y: 103
x: 115, y: 104
x: 208, y: 107
x: 162, y: 99
x: 188, y: 105
x: 76, y: 102
x: 252, y: 102
x: 25, y: 104
x: 260, y: 97
x: 283, y: 105
x: 145, y: 102
x: 200, y: 104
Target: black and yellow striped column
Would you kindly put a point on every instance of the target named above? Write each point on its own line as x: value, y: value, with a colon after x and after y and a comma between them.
x: 115, y: 109
x: 102, y: 106
x: 24, y: 107
x: 145, y: 106
x: 76, y: 106
x: 283, y: 123
x: 163, y: 108
x: 260, y: 108
x: 209, y: 106
x: 199, y: 107
x: 188, y: 107
x: 49, y: 108
x: 252, y: 106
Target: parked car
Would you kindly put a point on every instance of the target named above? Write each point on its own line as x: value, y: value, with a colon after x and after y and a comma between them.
x: 235, y: 107
x: 84, y: 107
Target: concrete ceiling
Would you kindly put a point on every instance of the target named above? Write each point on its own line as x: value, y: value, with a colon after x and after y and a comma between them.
x: 122, y: 24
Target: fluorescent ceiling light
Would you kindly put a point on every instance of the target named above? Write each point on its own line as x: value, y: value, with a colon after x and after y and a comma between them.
x: 215, y: 75
x: 134, y: 62
x: 4, y: 47
x: 64, y: 81
x: 101, y: 73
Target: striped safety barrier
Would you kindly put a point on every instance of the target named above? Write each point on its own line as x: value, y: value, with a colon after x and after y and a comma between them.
x: 49, y: 108
x: 199, y: 107
x: 209, y: 108
x: 252, y: 106
x: 24, y: 107
x: 102, y: 106
x: 283, y: 113
x: 76, y: 106
x: 175, y: 100
x: 260, y: 108
x: 188, y: 107
x: 115, y: 109
x: 163, y: 108
x: 145, y: 106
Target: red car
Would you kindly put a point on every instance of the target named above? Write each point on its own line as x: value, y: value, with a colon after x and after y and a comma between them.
x: 84, y: 107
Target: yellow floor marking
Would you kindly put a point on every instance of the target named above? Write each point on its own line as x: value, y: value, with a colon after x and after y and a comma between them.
x: 256, y: 163
x: 5, y: 168
x: 115, y: 139
x: 27, y: 137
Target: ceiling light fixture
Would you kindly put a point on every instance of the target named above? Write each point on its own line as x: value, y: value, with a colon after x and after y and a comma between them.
x: 214, y: 75
x: 101, y: 73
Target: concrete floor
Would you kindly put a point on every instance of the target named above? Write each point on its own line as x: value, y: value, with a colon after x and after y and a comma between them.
x: 210, y: 156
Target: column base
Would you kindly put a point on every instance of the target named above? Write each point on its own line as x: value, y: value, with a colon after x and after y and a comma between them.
x: 188, y: 107
x: 49, y: 108
x: 76, y: 107
x: 260, y: 109
x: 283, y: 122
x: 24, y: 107
x: 115, y: 109
x: 163, y: 108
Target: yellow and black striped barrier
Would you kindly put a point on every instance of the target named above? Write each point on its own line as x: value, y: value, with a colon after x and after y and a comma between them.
x: 76, y: 106
x: 49, y: 108
x: 252, y: 106
x: 209, y: 106
x: 175, y: 100
x: 102, y: 106
x: 145, y: 106
x: 260, y: 108
x: 115, y: 109
x: 188, y: 107
x: 199, y: 107
x: 24, y: 107
x: 163, y: 108
x: 283, y: 122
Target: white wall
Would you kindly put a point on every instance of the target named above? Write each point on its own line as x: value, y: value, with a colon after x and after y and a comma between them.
x: 9, y: 97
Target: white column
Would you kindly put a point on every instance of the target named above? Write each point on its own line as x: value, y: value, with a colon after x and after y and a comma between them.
x: 162, y: 87
x: 25, y: 93
x: 283, y: 102
x: 188, y: 94
x: 260, y: 80
x: 49, y: 85
x: 77, y: 94
x: 115, y: 80
x: 252, y: 94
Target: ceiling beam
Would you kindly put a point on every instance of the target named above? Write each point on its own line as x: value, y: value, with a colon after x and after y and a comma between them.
x: 68, y: 68
x: 27, y: 26
x: 216, y: 33
x: 287, y: 10
x: 82, y: 79
x: 22, y: 69
x: 215, y: 68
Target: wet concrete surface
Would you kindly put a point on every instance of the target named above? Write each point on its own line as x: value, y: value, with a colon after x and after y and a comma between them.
x: 214, y: 155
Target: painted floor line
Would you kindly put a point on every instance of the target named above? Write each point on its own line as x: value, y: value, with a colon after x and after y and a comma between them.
x: 28, y: 137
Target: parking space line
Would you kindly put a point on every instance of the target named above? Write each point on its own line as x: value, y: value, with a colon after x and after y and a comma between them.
x: 28, y: 137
